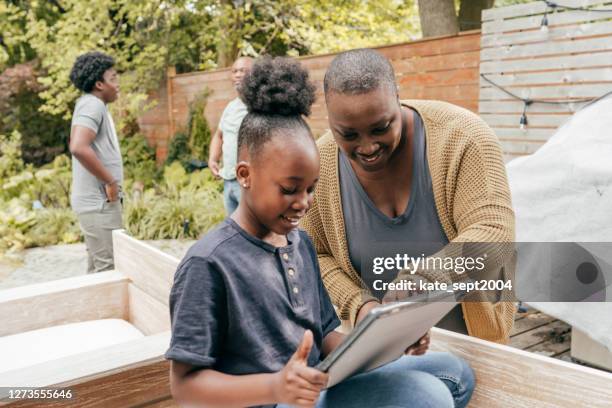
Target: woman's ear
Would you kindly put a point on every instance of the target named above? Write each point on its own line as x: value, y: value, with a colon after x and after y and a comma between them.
x: 243, y: 174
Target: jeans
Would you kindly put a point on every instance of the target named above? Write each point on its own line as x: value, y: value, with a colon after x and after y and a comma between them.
x: 435, y: 380
x: 231, y: 195
x: 97, y: 228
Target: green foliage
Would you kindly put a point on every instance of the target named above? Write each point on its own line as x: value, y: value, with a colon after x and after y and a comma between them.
x: 45, y: 136
x: 179, y: 150
x: 184, y: 206
x: 336, y: 25
x: 54, y: 226
x: 138, y: 161
x: 11, y: 162
x: 199, y: 132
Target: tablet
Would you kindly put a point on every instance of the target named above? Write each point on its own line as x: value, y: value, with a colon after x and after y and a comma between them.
x: 383, y: 336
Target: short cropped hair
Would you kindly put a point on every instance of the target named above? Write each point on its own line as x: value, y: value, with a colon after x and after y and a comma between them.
x: 89, y: 68
x: 359, y: 71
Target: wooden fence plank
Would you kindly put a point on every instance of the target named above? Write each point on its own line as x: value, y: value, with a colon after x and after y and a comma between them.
x: 521, y: 148
x: 528, y: 134
x: 561, y: 92
x: 564, y: 76
x: 547, y: 48
x: 515, y: 106
x: 553, y: 33
x: 534, y: 7
x: 558, y: 18
x: 602, y: 59
x: 535, y: 121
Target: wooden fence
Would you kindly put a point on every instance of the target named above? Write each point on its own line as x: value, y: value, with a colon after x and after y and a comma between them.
x: 569, y: 61
x: 444, y: 68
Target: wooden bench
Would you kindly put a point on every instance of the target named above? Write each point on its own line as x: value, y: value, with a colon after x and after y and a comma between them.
x: 135, y: 374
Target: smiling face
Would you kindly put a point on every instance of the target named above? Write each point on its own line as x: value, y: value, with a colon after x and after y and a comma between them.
x: 367, y: 127
x: 281, y: 181
x: 108, y: 88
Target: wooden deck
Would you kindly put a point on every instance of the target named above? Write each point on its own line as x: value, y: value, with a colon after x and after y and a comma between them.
x: 539, y: 333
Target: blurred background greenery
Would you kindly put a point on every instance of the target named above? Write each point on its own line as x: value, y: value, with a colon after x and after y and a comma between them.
x: 40, y: 39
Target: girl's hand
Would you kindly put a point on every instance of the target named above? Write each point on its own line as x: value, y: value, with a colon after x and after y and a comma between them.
x: 297, y: 384
x: 420, y: 347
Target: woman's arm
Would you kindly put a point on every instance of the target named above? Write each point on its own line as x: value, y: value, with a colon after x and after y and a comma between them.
x: 346, y: 294
x: 330, y: 342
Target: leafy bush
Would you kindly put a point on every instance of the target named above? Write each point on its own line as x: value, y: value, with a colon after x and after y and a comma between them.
x: 11, y: 162
x: 138, y: 161
x: 186, y: 206
x: 179, y: 150
x: 54, y: 226
x: 194, y: 143
x: 199, y: 131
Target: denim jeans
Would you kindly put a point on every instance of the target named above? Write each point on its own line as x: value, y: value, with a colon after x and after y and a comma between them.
x: 231, y: 195
x: 435, y: 380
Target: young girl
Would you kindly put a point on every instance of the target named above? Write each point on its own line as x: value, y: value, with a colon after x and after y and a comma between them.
x: 250, y: 316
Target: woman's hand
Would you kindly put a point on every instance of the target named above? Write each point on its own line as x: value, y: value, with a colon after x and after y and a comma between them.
x: 297, y: 384
x: 365, y: 309
x: 420, y: 347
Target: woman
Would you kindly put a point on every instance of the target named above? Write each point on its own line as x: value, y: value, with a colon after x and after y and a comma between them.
x: 426, y: 173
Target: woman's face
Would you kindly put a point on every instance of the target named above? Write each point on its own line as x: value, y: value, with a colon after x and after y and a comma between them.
x: 367, y: 127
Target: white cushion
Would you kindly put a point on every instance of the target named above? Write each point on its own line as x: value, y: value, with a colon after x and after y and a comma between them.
x: 51, y: 343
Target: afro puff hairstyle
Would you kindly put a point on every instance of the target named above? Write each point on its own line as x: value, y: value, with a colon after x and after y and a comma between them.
x: 89, y: 68
x: 277, y: 92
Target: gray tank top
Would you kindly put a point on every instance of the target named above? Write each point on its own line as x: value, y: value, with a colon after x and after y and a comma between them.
x: 416, y: 232
x: 418, y: 226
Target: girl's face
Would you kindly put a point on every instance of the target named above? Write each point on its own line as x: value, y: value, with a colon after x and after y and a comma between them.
x: 280, y: 183
x: 367, y: 127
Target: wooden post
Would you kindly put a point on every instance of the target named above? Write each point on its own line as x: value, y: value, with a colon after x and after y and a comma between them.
x: 170, y: 74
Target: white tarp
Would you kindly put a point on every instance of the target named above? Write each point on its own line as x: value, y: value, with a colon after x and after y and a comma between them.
x: 563, y: 193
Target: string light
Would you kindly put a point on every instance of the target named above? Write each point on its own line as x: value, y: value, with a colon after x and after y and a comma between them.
x: 527, y: 102
x: 551, y: 6
x: 554, y: 5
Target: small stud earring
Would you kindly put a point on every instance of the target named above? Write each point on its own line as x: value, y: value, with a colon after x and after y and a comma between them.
x: 244, y: 185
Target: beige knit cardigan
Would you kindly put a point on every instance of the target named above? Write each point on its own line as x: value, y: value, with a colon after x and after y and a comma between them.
x: 472, y: 200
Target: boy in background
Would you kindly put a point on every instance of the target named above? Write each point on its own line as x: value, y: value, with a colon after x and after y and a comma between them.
x: 97, y: 166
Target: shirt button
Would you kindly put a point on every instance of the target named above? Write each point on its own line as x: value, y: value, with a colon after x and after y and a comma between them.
x: 291, y: 272
x: 295, y: 290
x: 286, y: 257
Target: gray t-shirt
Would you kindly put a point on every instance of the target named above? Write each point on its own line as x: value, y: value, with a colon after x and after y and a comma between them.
x: 230, y: 123
x: 240, y: 305
x: 87, y: 190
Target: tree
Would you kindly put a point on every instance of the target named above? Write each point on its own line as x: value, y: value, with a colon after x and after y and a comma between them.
x: 470, y: 13
x: 438, y: 17
x: 337, y: 25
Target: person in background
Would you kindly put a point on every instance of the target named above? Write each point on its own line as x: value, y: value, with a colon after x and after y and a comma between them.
x: 97, y: 166
x: 224, y: 141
